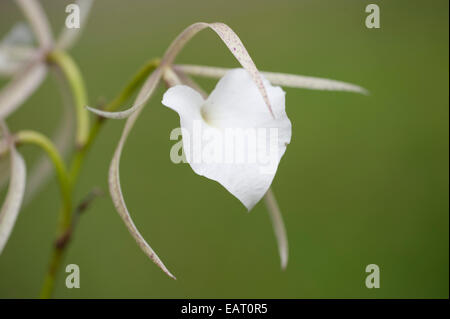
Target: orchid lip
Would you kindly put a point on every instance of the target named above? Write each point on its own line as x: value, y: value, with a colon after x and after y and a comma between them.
x: 235, y: 103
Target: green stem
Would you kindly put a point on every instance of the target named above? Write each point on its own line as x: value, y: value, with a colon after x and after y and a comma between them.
x: 87, y: 138
x: 124, y: 95
x: 38, y: 139
x: 76, y: 83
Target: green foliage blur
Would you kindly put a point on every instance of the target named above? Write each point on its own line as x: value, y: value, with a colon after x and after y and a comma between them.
x: 364, y: 180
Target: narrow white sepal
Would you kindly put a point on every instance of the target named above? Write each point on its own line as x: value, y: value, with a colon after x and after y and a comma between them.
x: 11, y: 206
x: 283, y: 79
x: 233, y: 43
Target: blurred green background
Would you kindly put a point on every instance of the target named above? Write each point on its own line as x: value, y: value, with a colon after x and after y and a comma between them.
x: 364, y: 180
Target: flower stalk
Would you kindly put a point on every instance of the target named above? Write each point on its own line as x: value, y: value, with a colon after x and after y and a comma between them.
x: 77, y: 86
x: 38, y: 139
x: 252, y: 91
x: 66, y: 229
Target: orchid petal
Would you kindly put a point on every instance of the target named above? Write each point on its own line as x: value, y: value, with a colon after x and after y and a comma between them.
x: 21, y: 87
x: 283, y: 79
x: 11, y: 205
x: 235, y: 103
x: 69, y: 36
x: 114, y: 177
x: 230, y: 39
x: 8, y: 66
x: 38, y: 21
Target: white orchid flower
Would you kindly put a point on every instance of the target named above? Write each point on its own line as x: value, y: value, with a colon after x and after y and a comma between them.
x: 236, y: 108
x: 243, y: 99
x: 27, y: 64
